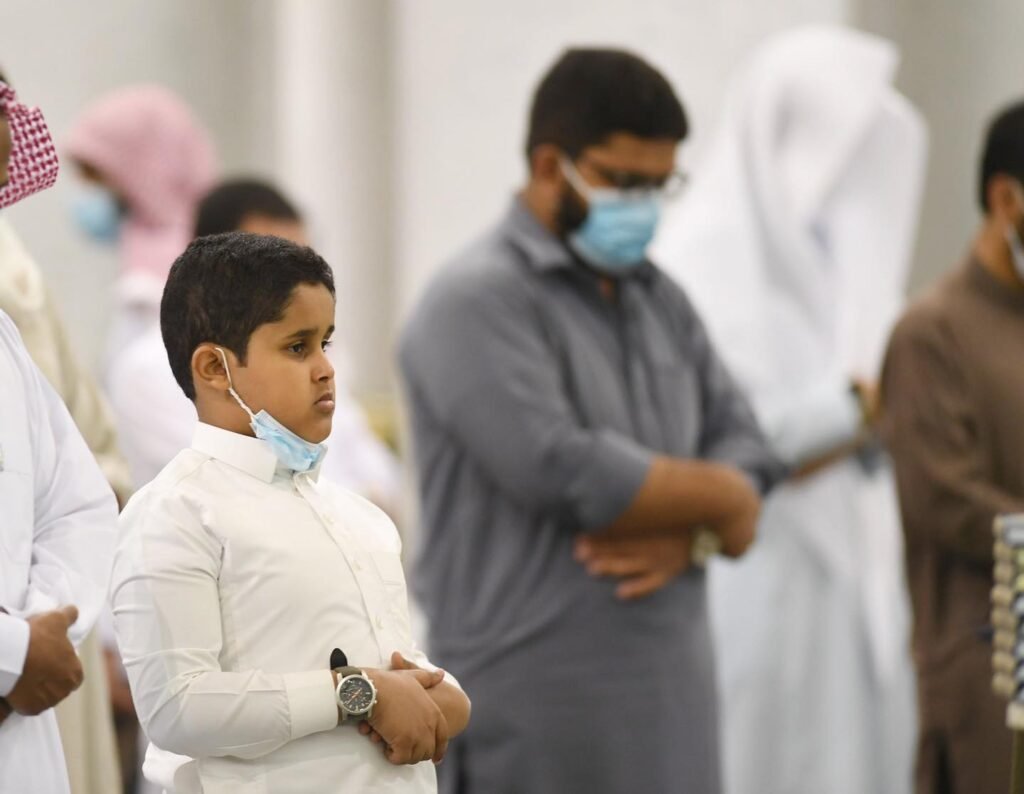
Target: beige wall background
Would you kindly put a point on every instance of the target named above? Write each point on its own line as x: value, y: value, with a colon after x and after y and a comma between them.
x: 398, y: 124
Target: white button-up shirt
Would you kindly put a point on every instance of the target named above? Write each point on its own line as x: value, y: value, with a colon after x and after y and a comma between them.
x: 233, y: 581
x: 57, y: 528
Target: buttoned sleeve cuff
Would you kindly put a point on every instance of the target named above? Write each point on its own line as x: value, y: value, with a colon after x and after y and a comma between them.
x: 610, y: 480
x: 13, y: 650
x: 311, y: 704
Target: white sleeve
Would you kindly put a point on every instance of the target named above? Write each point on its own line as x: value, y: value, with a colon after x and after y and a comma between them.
x: 13, y: 649
x: 812, y: 422
x: 75, y: 510
x: 167, y: 620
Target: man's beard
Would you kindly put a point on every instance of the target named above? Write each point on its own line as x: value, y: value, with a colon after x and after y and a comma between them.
x: 571, y: 214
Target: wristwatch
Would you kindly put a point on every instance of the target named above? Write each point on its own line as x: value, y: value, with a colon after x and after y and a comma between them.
x: 355, y: 694
x: 706, y: 544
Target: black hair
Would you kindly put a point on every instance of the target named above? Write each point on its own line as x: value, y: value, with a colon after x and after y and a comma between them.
x: 1004, y: 149
x: 225, y: 207
x: 224, y: 287
x: 589, y: 94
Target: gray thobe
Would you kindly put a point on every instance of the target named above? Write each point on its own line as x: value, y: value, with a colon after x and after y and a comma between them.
x: 537, y: 406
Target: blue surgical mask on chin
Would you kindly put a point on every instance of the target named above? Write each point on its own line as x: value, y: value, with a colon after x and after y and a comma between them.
x: 618, y: 228
x: 97, y: 213
x: 293, y: 451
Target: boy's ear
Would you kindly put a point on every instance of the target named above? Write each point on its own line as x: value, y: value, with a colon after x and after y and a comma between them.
x: 208, y: 368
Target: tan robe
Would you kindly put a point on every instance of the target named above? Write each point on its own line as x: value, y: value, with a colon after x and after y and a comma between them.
x: 953, y: 403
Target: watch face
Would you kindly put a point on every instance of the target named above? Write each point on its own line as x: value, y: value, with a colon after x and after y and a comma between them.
x: 356, y: 695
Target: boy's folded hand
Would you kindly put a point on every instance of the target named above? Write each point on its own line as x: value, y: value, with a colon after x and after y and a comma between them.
x: 429, y: 681
x: 406, y: 719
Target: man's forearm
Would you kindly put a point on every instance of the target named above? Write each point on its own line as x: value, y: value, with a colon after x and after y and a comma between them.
x: 681, y: 495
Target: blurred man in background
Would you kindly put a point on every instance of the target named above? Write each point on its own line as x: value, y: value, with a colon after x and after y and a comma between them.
x: 794, y: 242
x: 574, y: 431
x: 952, y: 390
x: 144, y: 161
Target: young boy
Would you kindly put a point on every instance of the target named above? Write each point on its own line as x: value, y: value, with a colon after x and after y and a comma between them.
x: 239, y: 574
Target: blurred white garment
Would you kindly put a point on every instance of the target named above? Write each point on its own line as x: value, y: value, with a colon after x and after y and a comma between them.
x: 794, y: 244
x: 136, y: 310
x: 27, y: 301
x: 57, y: 535
x: 155, y: 421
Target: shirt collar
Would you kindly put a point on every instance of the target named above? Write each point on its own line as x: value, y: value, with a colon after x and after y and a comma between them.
x: 543, y: 250
x: 245, y: 453
x: 992, y: 287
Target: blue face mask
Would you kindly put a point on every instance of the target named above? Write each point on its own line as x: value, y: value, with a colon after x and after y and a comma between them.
x: 618, y: 228
x: 97, y: 213
x: 293, y: 451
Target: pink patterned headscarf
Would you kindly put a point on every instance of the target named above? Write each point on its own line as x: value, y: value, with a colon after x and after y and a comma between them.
x: 33, y: 163
x: 150, y: 150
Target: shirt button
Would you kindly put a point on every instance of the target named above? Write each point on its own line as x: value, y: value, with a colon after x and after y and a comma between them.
x: 357, y: 565
x: 380, y: 623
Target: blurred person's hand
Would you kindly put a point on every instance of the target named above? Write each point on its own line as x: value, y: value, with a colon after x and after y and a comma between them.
x: 643, y: 563
x: 870, y: 400
x: 52, y: 669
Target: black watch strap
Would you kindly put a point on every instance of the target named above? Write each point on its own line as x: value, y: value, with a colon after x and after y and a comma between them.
x: 338, y: 659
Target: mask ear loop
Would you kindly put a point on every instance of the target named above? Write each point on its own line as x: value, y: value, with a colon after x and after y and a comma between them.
x: 575, y: 178
x: 231, y: 386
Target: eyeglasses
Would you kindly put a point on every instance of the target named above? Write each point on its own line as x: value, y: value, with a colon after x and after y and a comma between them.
x: 669, y: 186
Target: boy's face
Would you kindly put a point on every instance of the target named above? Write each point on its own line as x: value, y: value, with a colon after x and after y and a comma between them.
x: 287, y: 372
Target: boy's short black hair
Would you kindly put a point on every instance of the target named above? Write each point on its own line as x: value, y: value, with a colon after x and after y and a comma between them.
x: 224, y: 207
x: 224, y: 287
x: 590, y: 94
x: 1004, y: 149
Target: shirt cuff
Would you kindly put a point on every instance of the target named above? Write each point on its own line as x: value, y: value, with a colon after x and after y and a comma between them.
x: 14, y: 634
x: 616, y: 469
x: 816, y: 422
x: 311, y: 704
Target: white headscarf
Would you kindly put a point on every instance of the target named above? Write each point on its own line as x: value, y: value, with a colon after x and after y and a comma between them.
x: 794, y: 240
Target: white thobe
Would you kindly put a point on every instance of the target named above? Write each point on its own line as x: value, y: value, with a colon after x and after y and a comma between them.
x: 794, y: 244
x: 57, y: 528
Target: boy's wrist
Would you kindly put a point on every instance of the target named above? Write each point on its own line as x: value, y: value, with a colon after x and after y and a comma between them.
x: 355, y: 693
